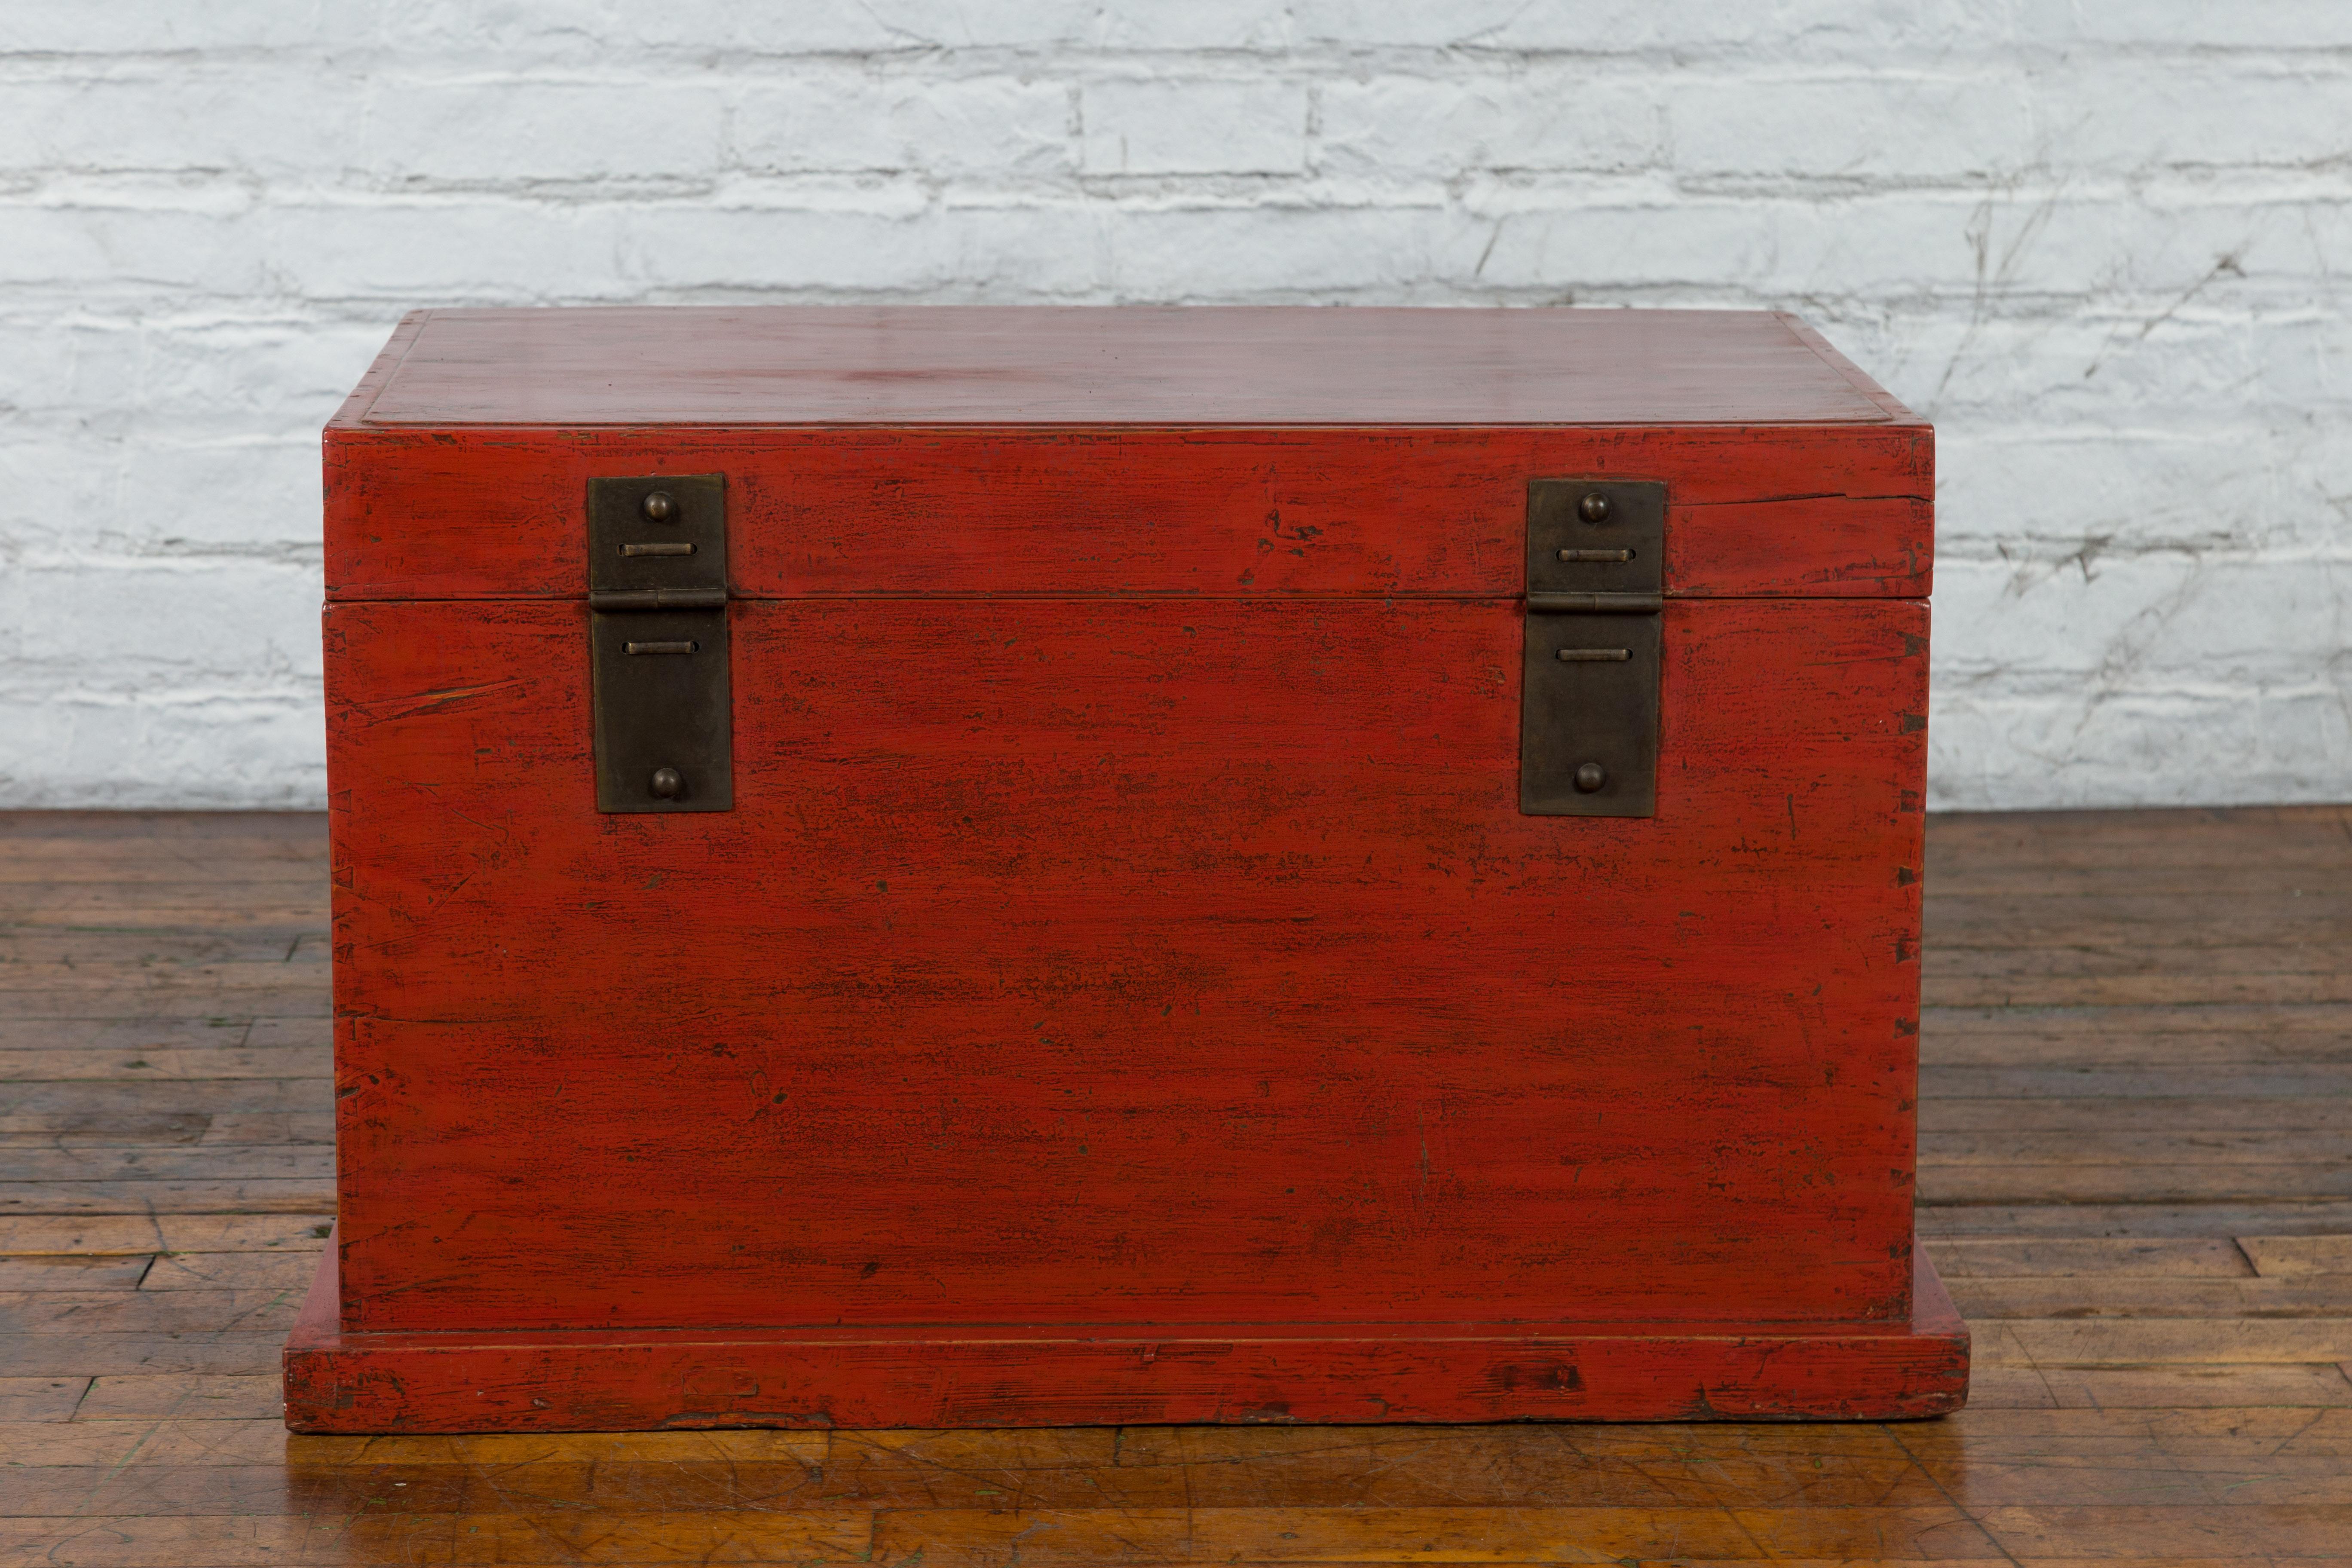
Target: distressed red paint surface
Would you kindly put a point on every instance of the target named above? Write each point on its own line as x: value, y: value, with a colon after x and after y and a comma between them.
x: 518, y: 1380
x: 1165, y: 513
x: 1125, y: 932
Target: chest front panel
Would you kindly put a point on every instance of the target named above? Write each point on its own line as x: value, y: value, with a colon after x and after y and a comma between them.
x: 1125, y: 912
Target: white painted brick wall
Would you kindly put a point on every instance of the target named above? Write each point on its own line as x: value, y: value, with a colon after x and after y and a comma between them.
x: 2104, y: 244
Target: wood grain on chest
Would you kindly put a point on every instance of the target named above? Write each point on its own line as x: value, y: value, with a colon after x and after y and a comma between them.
x: 1125, y: 921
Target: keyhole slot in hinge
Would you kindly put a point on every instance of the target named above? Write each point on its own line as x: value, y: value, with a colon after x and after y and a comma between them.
x: 1595, y: 603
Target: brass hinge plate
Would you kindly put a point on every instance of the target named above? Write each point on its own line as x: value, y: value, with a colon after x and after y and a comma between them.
x: 1589, y: 712
x: 657, y: 642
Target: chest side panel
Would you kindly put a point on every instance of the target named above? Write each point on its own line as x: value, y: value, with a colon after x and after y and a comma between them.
x: 1089, y: 959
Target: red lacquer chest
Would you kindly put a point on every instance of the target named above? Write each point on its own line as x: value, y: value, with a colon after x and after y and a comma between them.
x: 979, y: 867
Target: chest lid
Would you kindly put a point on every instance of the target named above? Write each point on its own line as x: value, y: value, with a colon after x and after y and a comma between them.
x: 1185, y: 451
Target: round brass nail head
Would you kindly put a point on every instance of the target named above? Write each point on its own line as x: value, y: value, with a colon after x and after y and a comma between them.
x: 1591, y: 777
x: 668, y: 784
x: 659, y: 507
x: 1593, y: 508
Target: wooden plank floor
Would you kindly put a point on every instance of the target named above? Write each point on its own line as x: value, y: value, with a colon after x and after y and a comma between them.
x: 2136, y: 1178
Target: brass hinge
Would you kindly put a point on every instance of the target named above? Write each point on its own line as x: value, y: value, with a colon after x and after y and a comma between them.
x: 1589, y: 706
x: 657, y: 642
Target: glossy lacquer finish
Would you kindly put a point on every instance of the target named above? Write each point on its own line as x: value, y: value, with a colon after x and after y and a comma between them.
x: 1125, y: 987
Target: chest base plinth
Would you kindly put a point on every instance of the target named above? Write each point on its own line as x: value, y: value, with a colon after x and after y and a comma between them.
x: 957, y: 1376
